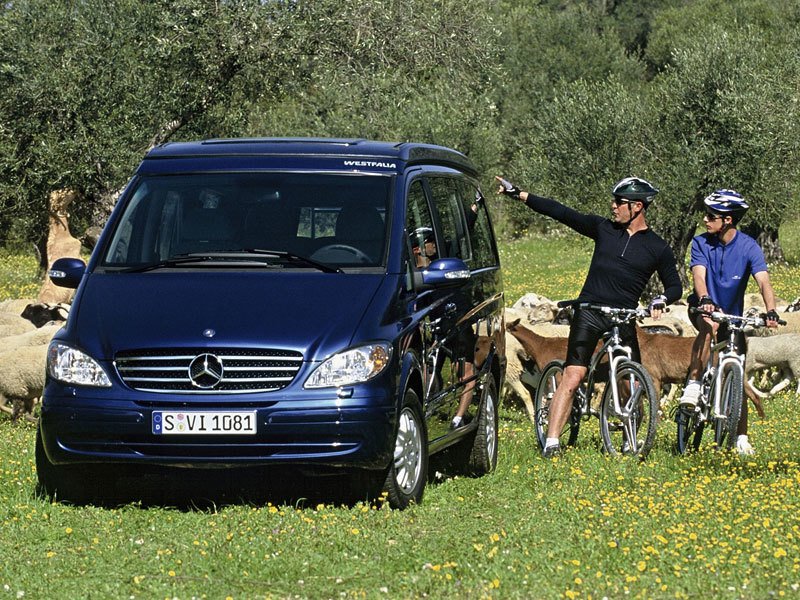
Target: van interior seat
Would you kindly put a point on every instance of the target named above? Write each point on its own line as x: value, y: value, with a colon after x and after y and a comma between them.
x: 271, y: 226
x: 206, y: 229
x: 361, y: 227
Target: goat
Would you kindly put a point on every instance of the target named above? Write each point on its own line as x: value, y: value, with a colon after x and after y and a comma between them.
x: 41, y: 313
x: 540, y: 349
x: 665, y: 357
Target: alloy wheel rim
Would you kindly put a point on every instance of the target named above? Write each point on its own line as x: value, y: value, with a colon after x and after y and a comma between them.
x: 408, y: 452
x: 491, y: 428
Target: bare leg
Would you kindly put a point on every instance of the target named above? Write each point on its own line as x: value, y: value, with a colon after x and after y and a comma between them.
x: 561, y: 406
x: 701, y: 349
x: 466, y: 395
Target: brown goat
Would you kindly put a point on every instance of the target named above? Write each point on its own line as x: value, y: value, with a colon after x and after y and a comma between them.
x: 665, y: 357
x: 540, y: 349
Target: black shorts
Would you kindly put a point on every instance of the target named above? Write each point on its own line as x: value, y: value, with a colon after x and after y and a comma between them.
x: 466, y: 344
x: 722, y: 332
x: 588, y: 326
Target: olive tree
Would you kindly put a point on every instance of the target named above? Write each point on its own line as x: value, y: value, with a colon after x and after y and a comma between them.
x: 728, y: 119
x: 591, y: 135
x: 88, y: 86
x: 397, y: 71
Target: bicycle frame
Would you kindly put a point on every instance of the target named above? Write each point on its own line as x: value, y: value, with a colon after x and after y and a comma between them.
x: 613, y: 349
x: 725, y: 359
x: 627, y: 408
x: 616, y: 352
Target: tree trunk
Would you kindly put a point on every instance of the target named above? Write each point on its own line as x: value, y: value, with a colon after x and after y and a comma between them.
x: 109, y: 198
x: 679, y: 241
x: 767, y: 238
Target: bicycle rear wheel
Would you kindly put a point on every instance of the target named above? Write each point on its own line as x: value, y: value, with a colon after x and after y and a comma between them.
x: 634, y: 431
x: 726, y: 427
x: 551, y: 378
x: 690, y: 429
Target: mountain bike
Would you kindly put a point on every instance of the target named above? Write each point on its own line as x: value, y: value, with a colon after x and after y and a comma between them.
x: 722, y: 386
x: 629, y: 407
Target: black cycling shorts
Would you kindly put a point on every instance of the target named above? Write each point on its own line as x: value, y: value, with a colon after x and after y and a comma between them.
x: 722, y: 333
x: 588, y: 326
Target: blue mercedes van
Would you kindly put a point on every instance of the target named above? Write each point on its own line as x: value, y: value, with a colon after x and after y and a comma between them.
x: 325, y: 303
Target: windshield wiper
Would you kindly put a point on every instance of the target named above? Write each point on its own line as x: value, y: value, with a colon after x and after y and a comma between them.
x: 172, y: 261
x: 243, y: 256
x: 295, y: 258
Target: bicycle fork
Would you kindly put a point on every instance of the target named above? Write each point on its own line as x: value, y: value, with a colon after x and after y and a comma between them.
x: 626, y: 413
x: 725, y: 359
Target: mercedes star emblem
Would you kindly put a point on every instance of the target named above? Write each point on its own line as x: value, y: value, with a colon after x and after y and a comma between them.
x: 205, y: 371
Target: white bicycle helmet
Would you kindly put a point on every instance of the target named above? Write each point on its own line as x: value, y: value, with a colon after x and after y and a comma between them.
x: 726, y: 202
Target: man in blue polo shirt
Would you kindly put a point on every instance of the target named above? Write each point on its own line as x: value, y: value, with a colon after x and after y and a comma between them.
x: 722, y: 261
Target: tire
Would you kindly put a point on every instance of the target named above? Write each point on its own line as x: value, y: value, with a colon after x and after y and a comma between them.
x: 551, y: 377
x: 690, y: 430
x: 408, y: 471
x: 725, y: 430
x: 483, y: 457
x: 616, y: 430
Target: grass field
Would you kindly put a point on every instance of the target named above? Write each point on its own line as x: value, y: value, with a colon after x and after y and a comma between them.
x: 581, y: 526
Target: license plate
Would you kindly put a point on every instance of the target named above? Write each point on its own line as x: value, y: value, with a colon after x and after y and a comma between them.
x: 168, y: 422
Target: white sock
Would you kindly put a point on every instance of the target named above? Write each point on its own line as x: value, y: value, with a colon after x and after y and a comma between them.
x: 693, y: 382
x: 742, y: 438
x: 551, y: 442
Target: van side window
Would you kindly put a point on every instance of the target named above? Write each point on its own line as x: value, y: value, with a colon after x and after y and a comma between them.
x: 447, y: 199
x: 419, y: 225
x: 484, y: 250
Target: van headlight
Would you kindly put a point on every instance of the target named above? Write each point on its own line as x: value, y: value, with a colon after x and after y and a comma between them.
x: 68, y: 365
x: 351, y: 366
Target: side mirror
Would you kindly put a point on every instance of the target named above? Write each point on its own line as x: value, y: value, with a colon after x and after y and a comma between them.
x: 67, y: 272
x: 444, y: 272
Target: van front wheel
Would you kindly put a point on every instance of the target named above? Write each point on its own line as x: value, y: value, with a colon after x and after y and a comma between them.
x: 408, y: 472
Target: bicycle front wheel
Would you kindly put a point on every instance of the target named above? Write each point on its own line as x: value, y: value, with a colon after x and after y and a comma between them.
x: 690, y: 429
x: 632, y: 428
x: 551, y: 378
x: 726, y: 424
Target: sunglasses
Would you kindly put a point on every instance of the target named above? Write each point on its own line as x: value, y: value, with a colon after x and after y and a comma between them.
x: 711, y: 216
x: 621, y: 201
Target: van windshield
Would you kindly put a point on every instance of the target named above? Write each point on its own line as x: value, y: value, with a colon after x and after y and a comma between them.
x: 334, y: 219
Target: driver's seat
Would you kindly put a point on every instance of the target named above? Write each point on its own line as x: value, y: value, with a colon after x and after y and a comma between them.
x: 363, y: 228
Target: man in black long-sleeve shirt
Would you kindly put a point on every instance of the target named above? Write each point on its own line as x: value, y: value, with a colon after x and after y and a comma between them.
x: 626, y: 254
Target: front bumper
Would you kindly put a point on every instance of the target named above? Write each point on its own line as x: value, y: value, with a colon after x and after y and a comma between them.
x: 356, y: 432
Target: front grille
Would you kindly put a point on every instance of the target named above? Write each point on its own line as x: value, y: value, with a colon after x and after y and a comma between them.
x: 243, y: 371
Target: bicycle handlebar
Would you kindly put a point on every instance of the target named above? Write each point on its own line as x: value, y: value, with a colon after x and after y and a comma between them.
x: 622, y: 314
x: 736, y: 321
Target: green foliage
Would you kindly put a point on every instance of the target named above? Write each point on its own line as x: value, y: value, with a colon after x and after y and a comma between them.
x: 563, y: 96
x: 676, y: 26
x: 726, y: 120
x: 88, y: 86
x: 590, y: 135
x: 396, y: 71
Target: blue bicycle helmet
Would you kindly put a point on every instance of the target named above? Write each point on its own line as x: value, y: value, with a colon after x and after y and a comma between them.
x: 726, y: 202
x: 634, y: 188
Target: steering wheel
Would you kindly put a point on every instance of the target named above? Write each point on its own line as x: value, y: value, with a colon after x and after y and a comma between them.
x: 321, y: 254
